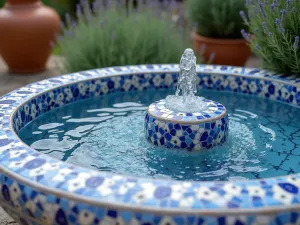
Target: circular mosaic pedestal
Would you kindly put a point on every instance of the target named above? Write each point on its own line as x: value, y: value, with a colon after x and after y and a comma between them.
x: 191, y: 131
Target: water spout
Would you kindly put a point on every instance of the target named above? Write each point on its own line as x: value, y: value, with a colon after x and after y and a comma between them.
x: 185, y: 99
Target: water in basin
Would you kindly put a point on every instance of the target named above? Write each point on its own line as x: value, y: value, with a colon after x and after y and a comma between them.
x: 106, y: 134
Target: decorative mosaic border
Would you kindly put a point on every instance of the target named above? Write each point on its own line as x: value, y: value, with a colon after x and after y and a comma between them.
x: 193, y: 137
x: 26, y: 174
x: 214, y: 111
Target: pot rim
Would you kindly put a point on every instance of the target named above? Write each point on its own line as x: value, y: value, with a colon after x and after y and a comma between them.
x: 219, y: 41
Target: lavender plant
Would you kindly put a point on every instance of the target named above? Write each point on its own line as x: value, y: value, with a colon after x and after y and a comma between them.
x: 116, y: 35
x: 274, y: 33
x: 217, y: 18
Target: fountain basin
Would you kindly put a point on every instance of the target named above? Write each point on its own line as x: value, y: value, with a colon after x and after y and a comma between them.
x: 191, y: 131
x: 38, y: 189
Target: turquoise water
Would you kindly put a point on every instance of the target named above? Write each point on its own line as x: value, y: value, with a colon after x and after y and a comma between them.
x: 106, y: 134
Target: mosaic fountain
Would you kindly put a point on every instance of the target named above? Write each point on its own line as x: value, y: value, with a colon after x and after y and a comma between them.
x: 58, y: 138
x: 184, y: 120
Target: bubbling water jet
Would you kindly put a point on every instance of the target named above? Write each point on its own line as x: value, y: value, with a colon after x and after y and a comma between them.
x: 185, y: 99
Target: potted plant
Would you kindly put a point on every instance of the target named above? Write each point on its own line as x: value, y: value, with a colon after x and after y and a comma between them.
x: 117, y: 35
x: 275, y: 26
x: 218, y: 30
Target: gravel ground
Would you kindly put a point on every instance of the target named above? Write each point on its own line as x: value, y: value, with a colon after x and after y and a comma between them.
x: 10, y: 82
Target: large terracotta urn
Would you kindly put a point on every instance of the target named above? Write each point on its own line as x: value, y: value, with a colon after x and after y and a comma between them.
x: 27, y: 28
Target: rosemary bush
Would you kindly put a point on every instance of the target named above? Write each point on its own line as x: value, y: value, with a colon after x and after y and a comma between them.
x: 115, y: 36
x: 217, y: 18
x: 275, y: 28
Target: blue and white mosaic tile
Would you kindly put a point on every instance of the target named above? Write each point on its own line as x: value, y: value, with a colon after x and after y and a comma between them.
x: 214, y: 110
x: 191, y: 131
x: 37, y: 189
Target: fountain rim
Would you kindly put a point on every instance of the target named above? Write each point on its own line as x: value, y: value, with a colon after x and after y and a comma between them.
x: 193, y: 122
x: 143, y: 69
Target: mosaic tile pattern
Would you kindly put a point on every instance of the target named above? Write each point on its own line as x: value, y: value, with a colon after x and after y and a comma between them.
x: 160, y: 111
x: 37, y: 189
x: 191, y: 131
x: 38, y: 207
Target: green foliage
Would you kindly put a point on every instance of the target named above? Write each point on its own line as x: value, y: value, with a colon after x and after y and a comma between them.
x: 276, y: 31
x: 113, y: 37
x: 217, y: 18
x: 61, y: 6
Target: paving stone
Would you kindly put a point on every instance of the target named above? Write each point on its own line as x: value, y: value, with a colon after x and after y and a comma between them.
x: 5, y: 219
x: 10, y: 81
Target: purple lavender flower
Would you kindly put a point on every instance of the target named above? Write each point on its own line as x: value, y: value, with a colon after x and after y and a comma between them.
x: 262, y: 9
x: 282, y: 13
x: 69, y: 33
x: 165, y: 4
x: 78, y: 11
x: 108, y: 4
x: 255, y: 9
x: 270, y: 34
x: 288, y: 5
x: 249, y: 13
x: 95, y: 6
x: 272, y: 7
x: 68, y: 20
x: 85, y: 4
x: 276, y: 3
x: 202, y: 49
x: 243, y: 15
x: 212, y: 57
x: 296, y: 43
x: 118, y: 4
x: 86, y: 7
x: 74, y: 23
x: 279, y: 24
x: 246, y: 35
x: 257, y: 47
x: 173, y: 4
x: 264, y: 25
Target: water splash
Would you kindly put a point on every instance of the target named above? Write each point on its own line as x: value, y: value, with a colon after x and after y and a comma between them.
x: 185, y: 99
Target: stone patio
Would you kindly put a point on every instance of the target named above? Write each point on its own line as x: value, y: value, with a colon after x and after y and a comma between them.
x: 10, y: 82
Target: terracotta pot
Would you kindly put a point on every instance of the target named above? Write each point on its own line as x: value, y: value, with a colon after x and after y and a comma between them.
x: 233, y: 52
x: 27, y: 28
